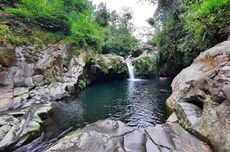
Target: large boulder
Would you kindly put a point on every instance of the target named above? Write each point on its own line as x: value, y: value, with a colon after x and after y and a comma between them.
x: 115, y: 136
x: 22, y: 125
x: 201, y: 97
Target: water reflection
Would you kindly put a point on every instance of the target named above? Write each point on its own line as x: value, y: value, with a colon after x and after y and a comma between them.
x: 137, y: 103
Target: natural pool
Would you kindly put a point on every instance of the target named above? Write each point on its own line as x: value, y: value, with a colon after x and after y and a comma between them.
x: 137, y: 103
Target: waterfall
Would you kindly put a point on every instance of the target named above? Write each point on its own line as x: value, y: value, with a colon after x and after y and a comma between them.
x: 130, y: 68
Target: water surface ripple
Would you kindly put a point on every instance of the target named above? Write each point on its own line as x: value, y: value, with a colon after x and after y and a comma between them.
x: 137, y: 103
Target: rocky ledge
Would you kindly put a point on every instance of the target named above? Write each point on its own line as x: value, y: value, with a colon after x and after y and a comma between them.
x: 201, y: 97
x: 200, y: 103
x: 115, y: 136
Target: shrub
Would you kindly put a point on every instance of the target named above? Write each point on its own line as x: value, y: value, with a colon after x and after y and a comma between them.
x: 193, y: 27
x: 145, y: 67
x: 72, y: 17
x: 82, y: 83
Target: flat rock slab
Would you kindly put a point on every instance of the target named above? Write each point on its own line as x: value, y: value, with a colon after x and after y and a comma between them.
x: 115, y: 136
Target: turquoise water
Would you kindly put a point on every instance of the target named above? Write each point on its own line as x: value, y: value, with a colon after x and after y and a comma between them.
x: 137, y: 103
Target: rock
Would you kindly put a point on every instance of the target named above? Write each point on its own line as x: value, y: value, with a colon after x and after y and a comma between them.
x: 6, y: 57
x: 183, y: 141
x: 188, y: 114
x: 38, y: 79
x: 201, y: 98
x: 28, y: 70
x: 6, y: 95
x: 24, y: 125
x: 109, y: 135
x: 29, y: 82
x: 135, y: 141
x: 5, y: 79
x: 172, y: 118
x: 26, y: 90
x: 20, y: 91
x: 6, y: 61
x: 5, y: 103
x: 17, y: 75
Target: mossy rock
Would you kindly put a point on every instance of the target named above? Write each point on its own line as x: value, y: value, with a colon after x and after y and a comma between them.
x: 145, y: 67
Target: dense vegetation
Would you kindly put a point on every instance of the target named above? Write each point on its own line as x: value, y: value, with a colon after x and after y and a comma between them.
x: 186, y: 28
x: 145, y: 67
x: 77, y: 21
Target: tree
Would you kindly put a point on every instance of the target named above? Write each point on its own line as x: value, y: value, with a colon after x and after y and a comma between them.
x: 102, y: 15
x: 118, y: 35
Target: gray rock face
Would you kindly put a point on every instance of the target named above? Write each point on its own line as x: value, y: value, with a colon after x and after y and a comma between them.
x: 5, y: 79
x: 115, y: 136
x: 26, y: 90
x: 201, y: 97
x: 15, y: 129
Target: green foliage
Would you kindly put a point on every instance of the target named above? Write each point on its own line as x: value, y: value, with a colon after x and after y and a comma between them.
x: 16, y: 36
x: 120, y: 41
x: 72, y: 17
x: 110, y: 63
x: 145, y: 67
x: 102, y: 16
x: 76, y: 52
x: 82, y: 83
x: 191, y: 29
x: 205, y: 21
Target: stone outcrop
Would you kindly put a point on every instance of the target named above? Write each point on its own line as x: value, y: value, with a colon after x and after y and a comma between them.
x: 201, y: 97
x: 31, y: 78
x: 27, y: 88
x: 115, y: 136
x: 106, y: 67
x: 145, y: 65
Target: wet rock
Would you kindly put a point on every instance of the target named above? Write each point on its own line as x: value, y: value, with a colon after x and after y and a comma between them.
x: 109, y: 135
x: 201, y: 98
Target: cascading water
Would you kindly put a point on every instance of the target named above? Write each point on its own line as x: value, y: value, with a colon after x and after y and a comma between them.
x: 130, y: 68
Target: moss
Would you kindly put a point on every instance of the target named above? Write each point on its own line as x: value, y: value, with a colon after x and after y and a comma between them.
x: 110, y: 63
x: 87, y: 57
x: 82, y: 83
x: 76, y: 52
